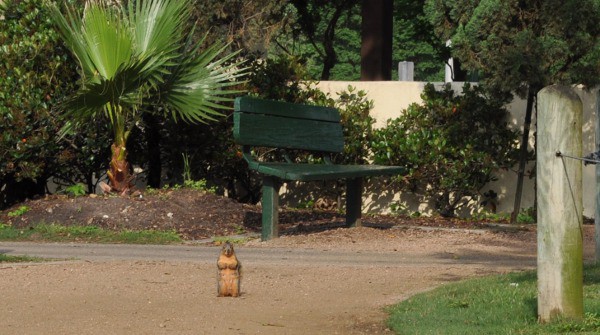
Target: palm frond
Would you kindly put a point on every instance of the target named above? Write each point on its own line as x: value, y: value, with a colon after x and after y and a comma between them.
x: 107, y: 38
x: 158, y: 24
x: 139, y: 51
x: 69, y: 27
x: 200, y: 85
x: 99, y: 37
x: 158, y: 32
x: 90, y: 99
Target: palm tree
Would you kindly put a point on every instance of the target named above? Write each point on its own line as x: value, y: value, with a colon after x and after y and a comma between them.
x: 140, y: 54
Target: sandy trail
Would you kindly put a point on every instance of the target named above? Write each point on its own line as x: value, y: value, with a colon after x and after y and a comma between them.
x: 288, y: 290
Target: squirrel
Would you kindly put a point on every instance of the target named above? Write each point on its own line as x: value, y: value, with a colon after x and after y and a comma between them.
x: 228, y: 272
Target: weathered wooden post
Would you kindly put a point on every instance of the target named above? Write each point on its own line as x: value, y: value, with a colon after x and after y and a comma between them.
x: 597, y: 213
x: 560, y: 204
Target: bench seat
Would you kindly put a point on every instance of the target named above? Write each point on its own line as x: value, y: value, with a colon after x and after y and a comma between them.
x: 313, y: 172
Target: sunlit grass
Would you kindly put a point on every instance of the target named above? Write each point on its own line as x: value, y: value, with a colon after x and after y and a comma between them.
x: 502, y: 305
x: 60, y: 233
x: 19, y: 259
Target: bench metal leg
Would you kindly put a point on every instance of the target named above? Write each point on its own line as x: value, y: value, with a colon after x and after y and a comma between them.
x: 353, y: 202
x: 270, y: 208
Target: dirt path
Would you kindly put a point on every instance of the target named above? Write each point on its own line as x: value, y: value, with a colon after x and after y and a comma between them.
x: 325, y: 294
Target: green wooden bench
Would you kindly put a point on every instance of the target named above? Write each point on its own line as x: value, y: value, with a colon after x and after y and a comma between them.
x: 281, y: 125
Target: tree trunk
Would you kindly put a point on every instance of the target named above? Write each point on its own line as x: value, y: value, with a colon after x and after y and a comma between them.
x: 523, y: 154
x: 560, y: 205
x: 377, y: 35
x: 89, y: 182
x: 153, y: 144
x: 119, y: 173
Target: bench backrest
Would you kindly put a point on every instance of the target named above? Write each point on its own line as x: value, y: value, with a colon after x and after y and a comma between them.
x: 275, y: 124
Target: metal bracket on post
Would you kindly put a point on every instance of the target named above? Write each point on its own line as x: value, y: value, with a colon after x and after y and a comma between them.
x: 592, y: 158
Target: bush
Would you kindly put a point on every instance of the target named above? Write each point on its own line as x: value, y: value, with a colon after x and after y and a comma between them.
x: 451, y: 145
x: 354, y: 107
x: 37, y: 73
x: 34, y: 76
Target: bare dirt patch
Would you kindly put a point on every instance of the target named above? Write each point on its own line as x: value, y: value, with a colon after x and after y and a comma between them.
x: 394, y: 260
x: 194, y: 215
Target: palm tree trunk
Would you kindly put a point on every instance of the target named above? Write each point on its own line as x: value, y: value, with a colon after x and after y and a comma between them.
x: 119, y: 173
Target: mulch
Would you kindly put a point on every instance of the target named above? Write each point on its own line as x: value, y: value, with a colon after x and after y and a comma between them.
x: 196, y: 215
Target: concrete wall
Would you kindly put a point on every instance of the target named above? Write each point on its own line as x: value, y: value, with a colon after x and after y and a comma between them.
x: 391, y: 97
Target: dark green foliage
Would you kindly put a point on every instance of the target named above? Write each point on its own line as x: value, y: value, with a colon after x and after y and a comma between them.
x: 83, y: 157
x: 212, y: 156
x: 36, y: 72
x: 451, y: 144
x: 32, y: 78
x: 415, y: 41
x: 522, y: 46
x: 279, y: 78
x: 354, y: 107
x: 327, y: 35
x: 248, y: 25
x: 329, y: 28
x: 517, y: 44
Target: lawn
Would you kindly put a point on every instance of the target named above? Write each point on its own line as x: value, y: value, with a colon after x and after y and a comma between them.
x: 60, y: 233
x: 504, y: 304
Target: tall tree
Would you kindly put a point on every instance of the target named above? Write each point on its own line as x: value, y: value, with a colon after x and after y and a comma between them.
x: 412, y: 39
x: 249, y: 26
x: 522, y: 46
x: 318, y: 21
x: 135, y: 53
x: 376, y: 32
x: 415, y: 41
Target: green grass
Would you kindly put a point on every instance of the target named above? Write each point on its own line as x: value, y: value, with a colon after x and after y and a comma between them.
x: 59, y: 233
x: 19, y: 211
x: 502, y: 305
x: 19, y: 259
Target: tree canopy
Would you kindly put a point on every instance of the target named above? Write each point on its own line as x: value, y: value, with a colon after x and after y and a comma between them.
x: 327, y: 36
x: 521, y: 47
x: 248, y: 26
x: 519, y: 44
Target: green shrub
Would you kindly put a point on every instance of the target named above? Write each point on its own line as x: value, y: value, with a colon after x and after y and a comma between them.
x: 33, y: 77
x: 279, y: 78
x: 37, y: 73
x: 76, y: 190
x: 19, y: 211
x: 357, y: 124
x: 451, y: 145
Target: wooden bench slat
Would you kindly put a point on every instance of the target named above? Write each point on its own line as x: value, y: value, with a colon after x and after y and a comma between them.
x: 286, y: 109
x: 279, y: 132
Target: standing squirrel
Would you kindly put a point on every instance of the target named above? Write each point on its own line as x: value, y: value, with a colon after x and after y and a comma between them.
x: 228, y: 273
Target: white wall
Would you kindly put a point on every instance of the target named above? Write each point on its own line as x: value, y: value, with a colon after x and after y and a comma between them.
x: 391, y: 97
